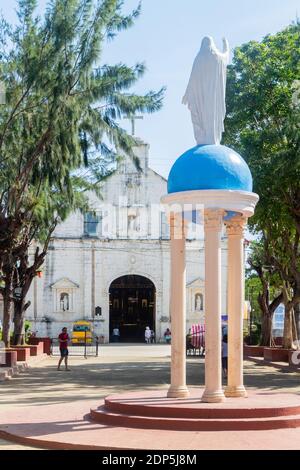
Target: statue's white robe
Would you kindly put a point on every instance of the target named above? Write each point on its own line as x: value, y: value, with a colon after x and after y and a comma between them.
x: 205, y: 94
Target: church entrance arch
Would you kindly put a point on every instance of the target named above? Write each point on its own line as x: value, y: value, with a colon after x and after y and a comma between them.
x: 131, y: 307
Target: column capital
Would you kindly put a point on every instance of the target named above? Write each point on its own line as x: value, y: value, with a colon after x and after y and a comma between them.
x: 236, y: 226
x: 213, y: 219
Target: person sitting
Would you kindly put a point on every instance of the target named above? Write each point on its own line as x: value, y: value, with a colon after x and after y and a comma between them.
x: 167, y: 336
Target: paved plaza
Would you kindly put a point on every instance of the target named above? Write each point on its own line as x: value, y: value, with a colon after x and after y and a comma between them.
x: 126, y: 367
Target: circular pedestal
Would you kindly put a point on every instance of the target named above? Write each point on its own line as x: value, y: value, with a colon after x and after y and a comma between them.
x: 155, y: 410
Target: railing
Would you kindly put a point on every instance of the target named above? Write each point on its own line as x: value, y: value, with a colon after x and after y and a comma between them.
x: 88, y: 348
x: 195, y: 344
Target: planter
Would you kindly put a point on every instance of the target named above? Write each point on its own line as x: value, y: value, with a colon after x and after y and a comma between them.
x: 253, y: 351
x: 276, y: 354
x: 45, y: 341
x: 8, y: 358
x: 23, y: 354
x: 40, y: 347
x: 34, y: 350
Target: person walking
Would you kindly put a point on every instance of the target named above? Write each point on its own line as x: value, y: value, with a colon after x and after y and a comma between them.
x: 63, y: 339
x: 148, y: 335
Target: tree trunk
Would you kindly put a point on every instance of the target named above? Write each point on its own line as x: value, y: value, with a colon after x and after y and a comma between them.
x: 266, y: 329
x: 19, y: 319
x: 288, y: 328
x: 267, y: 310
x: 297, y: 320
x: 27, y: 274
x: 7, y: 309
x: 267, y: 318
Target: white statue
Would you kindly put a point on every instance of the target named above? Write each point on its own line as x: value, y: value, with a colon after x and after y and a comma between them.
x: 132, y: 223
x: 198, y: 302
x: 205, y: 94
x: 64, y: 302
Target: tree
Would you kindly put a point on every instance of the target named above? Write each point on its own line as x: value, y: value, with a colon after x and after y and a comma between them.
x: 285, y: 246
x: 60, y: 114
x: 263, y: 125
x: 52, y: 208
x: 268, y: 293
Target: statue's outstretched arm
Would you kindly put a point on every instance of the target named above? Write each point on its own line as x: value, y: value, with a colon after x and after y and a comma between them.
x: 226, y: 50
x: 225, y: 46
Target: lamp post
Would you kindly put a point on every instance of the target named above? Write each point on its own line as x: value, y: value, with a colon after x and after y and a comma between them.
x: 250, y: 291
x: 250, y: 314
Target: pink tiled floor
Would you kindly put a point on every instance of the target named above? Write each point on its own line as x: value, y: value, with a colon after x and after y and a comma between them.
x: 67, y: 426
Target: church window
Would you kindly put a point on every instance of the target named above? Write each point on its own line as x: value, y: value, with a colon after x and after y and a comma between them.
x: 91, y: 224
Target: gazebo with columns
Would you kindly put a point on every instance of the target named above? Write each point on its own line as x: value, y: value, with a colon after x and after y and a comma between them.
x: 215, y: 180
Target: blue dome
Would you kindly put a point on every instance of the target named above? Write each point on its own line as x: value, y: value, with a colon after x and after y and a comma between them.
x: 209, y: 167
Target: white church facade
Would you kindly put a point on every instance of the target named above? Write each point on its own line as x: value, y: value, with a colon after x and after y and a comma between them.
x: 111, y: 266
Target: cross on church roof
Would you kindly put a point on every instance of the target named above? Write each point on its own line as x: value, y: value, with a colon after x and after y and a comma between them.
x: 132, y: 118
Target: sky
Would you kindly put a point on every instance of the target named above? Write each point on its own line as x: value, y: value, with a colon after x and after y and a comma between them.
x: 167, y: 38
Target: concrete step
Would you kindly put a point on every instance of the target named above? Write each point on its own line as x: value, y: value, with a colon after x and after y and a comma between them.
x: 37, y: 359
x: 155, y: 410
x: 6, y: 373
x: 193, y: 409
x: 104, y: 416
x: 22, y: 366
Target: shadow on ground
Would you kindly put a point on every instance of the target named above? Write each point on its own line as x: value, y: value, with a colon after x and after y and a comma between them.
x: 44, y: 385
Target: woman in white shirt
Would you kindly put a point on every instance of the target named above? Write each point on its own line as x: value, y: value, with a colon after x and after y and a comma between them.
x: 148, y: 335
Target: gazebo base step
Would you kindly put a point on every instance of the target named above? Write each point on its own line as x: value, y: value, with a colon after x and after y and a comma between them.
x: 153, y: 410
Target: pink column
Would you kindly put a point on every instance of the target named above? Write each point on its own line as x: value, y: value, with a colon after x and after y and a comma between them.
x: 236, y: 298
x: 178, y: 388
x: 213, y: 222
